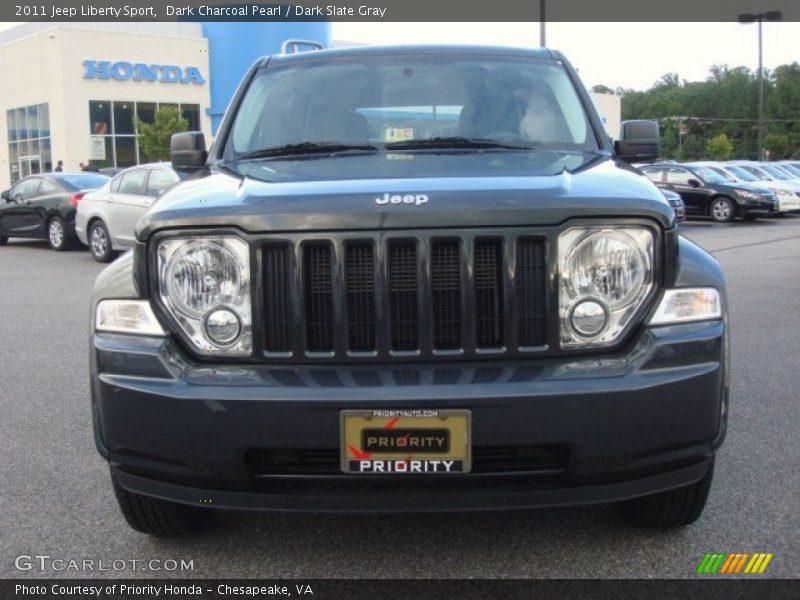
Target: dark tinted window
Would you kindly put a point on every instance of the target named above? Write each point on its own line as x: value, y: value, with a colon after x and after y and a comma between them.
x: 133, y: 182
x: 158, y: 181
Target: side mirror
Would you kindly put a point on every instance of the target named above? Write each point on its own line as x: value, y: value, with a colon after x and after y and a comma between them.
x: 6, y: 195
x: 639, y: 141
x: 695, y: 183
x: 187, y: 151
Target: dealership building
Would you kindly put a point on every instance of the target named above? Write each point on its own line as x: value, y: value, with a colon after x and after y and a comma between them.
x: 73, y: 91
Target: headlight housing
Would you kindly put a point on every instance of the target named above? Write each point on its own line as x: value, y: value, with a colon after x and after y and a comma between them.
x: 605, y: 276
x: 748, y: 194
x: 204, y: 283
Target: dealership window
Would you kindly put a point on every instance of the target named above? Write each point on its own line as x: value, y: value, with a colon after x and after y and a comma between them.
x: 112, y: 127
x: 28, y: 140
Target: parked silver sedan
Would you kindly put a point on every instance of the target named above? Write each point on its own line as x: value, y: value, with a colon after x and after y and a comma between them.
x: 106, y: 218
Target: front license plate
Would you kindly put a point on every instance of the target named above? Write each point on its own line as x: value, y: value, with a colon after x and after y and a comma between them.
x: 400, y: 442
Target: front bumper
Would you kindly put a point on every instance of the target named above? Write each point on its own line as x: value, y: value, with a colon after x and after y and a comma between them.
x: 632, y: 423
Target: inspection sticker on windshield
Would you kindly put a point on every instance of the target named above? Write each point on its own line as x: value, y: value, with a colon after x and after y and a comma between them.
x: 399, y: 442
x: 398, y: 134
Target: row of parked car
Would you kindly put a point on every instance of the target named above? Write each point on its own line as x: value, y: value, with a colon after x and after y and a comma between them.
x: 726, y: 190
x: 99, y: 211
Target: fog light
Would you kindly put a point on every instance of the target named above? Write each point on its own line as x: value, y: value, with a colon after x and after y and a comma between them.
x: 222, y: 326
x: 588, y: 318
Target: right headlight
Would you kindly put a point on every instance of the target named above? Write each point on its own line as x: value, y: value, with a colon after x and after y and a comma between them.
x: 605, y: 276
x: 204, y: 282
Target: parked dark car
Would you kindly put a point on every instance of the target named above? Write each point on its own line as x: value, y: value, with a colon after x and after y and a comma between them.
x: 706, y: 192
x: 347, y: 310
x: 43, y: 206
x: 676, y: 202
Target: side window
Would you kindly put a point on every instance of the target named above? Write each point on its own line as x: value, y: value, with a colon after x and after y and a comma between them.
x: 26, y: 190
x: 654, y: 174
x: 158, y: 181
x: 115, y: 184
x: 48, y: 187
x: 133, y: 182
x: 678, y: 176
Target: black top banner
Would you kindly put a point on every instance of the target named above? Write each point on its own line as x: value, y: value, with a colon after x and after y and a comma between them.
x: 400, y: 10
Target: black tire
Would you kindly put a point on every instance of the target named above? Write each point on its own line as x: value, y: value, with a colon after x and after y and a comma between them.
x: 674, y: 508
x: 155, y: 517
x: 3, y: 240
x: 57, y: 234
x: 99, y: 242
x: 722, y: 210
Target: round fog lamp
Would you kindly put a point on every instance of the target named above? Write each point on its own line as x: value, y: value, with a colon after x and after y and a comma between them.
x: 222, y: 326
x: 588, y: 318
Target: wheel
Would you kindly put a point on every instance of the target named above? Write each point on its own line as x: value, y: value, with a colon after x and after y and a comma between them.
x: 722, y: 210
x: 673, y: 508
x: 155, y: 517
x: 3, y: 240
x: 100, y: 242
x: 57, y: 234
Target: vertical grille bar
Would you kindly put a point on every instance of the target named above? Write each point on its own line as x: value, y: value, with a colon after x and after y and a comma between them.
x: 277, y: 312
x: 403, y: 314
x: 360, y: 290
x: 318, y: 288
x: 446, y: 294
x: 488, y: 285
x: 531, y: 290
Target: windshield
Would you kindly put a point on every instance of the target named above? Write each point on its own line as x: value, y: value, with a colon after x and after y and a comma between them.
x: 708, y: 175
x: 758, y: 173
x: 723, y: 173
x: 776, y: 173
x: 791, y: 169
x: 84, y: 182
x: 740, y: 173
x: 409, y: 103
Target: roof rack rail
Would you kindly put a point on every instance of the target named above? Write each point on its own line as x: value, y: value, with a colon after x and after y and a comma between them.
x: 294, y: 45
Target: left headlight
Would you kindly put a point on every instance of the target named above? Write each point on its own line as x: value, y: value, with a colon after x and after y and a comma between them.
x: 204, y: 283
x: 749, y: 195
x: 605, y: 275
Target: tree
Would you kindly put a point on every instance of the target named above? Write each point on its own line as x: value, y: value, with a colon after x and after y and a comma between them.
x: 719, y: 147
x: 154, y: 137
x: 777, y: 145
x: 602, y: 89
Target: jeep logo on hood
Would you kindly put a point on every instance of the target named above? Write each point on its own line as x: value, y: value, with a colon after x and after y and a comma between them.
x: 416, y: 199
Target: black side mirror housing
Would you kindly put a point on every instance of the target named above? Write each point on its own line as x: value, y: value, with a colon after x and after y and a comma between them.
x: 695, y: 183
x: 6, y: 195
x: 639, y: 141
x: 187, y: 151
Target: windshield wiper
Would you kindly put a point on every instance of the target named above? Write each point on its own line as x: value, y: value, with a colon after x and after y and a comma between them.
x: 307, y: 148
x: 455, y: 142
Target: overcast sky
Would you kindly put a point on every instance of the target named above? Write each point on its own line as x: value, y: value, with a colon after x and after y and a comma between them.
x: 628, y: 55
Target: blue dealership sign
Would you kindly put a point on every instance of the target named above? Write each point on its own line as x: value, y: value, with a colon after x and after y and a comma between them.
x: 126, y: 71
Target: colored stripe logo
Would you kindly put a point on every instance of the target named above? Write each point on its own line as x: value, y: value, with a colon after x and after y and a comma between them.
x: 736, y: 563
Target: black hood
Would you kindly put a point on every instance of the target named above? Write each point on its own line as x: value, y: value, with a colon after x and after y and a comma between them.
x: 476, y: 189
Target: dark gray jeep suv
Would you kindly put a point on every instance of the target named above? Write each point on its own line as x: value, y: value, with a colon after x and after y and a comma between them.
x: 410, y: 279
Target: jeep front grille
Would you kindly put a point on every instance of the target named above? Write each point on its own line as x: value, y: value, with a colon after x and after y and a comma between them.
x: 404, y: 296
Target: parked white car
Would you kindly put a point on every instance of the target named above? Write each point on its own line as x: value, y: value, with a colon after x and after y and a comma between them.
x: 788, y: 191
x: 106, y: 218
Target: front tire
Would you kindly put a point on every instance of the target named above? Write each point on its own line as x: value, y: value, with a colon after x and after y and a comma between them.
x: 57, y: 234
x: 722, y: 210
x: 155, y: 517
x: 673, y: 508
x: 100, y: 242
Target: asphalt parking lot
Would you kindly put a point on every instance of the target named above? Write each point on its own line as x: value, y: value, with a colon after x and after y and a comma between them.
x: 57, y: 500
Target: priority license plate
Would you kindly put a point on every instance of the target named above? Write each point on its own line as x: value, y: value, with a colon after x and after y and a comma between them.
x: 399, y: 442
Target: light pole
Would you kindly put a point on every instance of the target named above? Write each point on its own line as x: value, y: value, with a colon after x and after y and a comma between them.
x: 542, y: 21
x: 744, y: 18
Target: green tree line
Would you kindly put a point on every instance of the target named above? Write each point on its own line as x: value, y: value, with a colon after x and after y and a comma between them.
x: 716, y: 118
